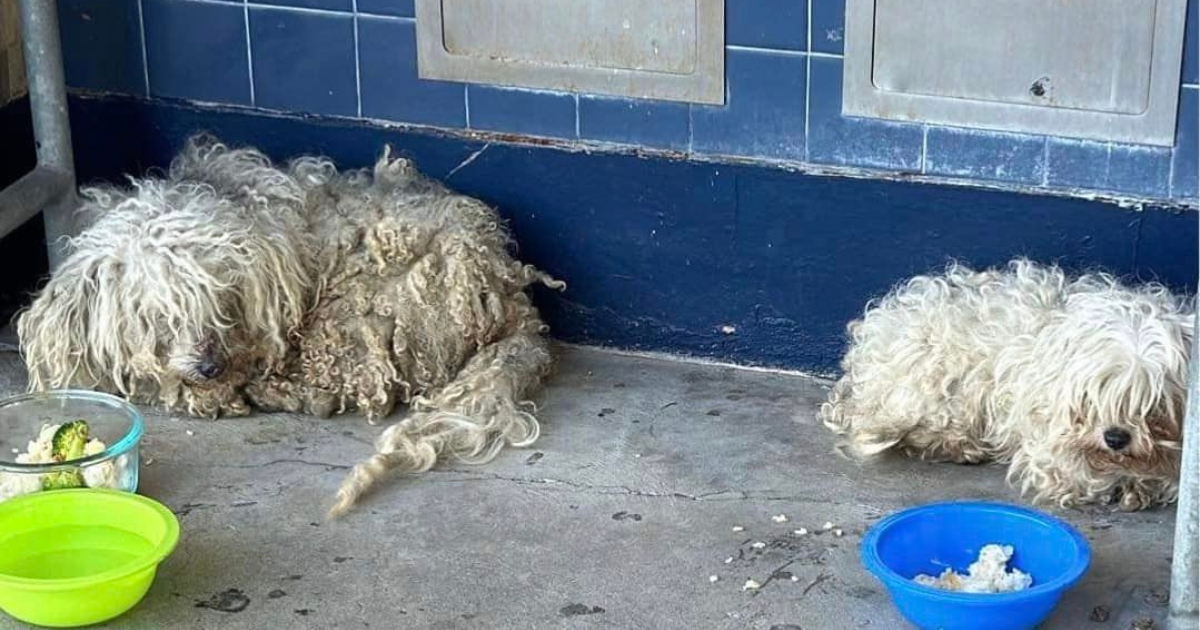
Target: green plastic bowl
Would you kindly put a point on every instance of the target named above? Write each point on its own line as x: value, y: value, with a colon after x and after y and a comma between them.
x: 78, y: 557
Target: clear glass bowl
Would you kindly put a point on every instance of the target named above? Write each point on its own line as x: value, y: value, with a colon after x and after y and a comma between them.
x: 111, y: 420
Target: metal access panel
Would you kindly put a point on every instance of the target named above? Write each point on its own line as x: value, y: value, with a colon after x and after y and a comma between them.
x: 665, y: 49
x: 1096, y: 69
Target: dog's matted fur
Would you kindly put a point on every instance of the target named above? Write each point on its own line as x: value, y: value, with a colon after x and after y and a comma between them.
x: 230, y: 282
x: 1079, y: 384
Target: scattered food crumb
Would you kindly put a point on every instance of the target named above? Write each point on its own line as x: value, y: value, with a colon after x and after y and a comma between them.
x: 1099, y: 614
x: 190, y: 432
x: 988, y: 574
x: 780, y: 518
x: 800, y: 532
x: 838, y: 533
x: 713, y: 578
x: 751, y: 585
x: 758, y: 545
x: 729, y: 559
x: 148, y: 461
x: 795, y: 578
x: 738, y: 528
x: 827, y: 526
x: 1142, y: 623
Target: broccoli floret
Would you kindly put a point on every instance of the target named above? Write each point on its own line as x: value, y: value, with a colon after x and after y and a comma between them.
x: 63, y: 479
x: 67, y: 444
x: 69, y: 441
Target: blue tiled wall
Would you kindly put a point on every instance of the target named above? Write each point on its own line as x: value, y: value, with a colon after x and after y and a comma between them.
x: 357, y: 58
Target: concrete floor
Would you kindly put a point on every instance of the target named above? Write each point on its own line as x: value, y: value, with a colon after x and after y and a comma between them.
x: 616, y: 519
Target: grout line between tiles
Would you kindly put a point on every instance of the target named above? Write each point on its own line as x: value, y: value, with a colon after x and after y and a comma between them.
x: 357, y: 67
x: 467, y: 104
x: 769, y: 51
x: 249, y: 53
x: 1171, y: 176
x: 808, y: 76
x: 145, y: 55
x: 1045, y: 161
x: 924, y: 146
x: 691, y: 141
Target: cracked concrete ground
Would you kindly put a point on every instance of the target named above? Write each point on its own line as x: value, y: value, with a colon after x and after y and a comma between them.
x: 617, y: 518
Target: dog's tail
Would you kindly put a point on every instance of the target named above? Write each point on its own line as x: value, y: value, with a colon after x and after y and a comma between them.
x: 470, y: 420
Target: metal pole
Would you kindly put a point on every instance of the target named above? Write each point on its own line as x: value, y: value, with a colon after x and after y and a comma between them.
x: 51, y: 124
x: 1185, y: 612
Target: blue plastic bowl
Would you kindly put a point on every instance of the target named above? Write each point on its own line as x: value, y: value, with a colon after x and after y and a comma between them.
x: 930, y: 538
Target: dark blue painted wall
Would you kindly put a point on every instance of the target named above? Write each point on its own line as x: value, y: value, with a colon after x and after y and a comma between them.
x: 660, y: 254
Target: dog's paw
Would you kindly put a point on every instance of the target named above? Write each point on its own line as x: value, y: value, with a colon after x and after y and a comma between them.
x: 235, y: 408
x: 322, y: 404
x: 1132, y: 498
x: 274, y: 394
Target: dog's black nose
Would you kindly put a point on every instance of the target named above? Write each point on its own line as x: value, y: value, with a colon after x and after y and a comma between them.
x: 209, y: 369
x: 1117, y: 439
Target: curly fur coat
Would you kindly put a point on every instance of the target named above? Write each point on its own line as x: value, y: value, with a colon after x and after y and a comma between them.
x: 230, y: 282
x: 1077, y: 383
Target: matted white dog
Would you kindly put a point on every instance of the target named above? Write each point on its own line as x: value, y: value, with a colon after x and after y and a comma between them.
x: 230, y: 282
x: 1078, y: 384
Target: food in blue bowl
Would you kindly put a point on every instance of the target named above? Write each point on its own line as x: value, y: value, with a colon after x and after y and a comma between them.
x: 974, y: 565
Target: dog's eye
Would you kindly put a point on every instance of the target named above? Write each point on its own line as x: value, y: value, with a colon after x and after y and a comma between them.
x: 1161, y: 429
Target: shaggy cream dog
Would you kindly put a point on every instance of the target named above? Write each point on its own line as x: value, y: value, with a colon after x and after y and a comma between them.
x: 1079, y: 385
x: 229, y: 283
